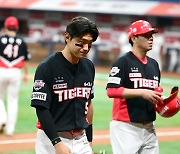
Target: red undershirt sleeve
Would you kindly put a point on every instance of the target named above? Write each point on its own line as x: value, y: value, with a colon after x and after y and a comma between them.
x: 115, y: 92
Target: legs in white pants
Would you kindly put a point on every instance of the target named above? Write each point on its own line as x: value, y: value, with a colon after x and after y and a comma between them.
x: 78, y: 145
x: 12, y: 107
x: 3, y: 114
x: 10, y: 81
x: 133, y: 138
x: 3, y: 87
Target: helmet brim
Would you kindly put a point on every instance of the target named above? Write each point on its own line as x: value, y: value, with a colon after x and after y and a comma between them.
x: 154, y: 30
x: 147, y: 30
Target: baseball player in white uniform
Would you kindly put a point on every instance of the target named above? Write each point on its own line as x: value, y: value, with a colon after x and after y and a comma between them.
x: 13, y: 54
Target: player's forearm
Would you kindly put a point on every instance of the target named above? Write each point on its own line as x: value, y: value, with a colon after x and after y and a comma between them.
x: 122, y: 92
x: 47, y: 123
x: 25, y: 67
x: 90, y: 112
x: 131, y: 93
x: 89, y: 129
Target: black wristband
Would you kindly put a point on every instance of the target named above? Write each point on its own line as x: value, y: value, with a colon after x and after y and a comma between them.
x: 89, y: 133
x: 56, y: 140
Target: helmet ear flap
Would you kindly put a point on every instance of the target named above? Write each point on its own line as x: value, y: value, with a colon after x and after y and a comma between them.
x: 173, y: 94
x: 174, y: 89
x: 170, y: 105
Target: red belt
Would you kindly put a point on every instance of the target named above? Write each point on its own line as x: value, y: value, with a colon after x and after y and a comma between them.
x: 71, y: 134
x: 76, y: 131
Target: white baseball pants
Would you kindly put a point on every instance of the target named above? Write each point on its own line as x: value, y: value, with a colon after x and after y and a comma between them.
x: 133, y: 138
x: 77, y: 145
x: 10, y: 79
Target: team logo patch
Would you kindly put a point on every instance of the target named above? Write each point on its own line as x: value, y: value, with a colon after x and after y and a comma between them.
x: 38, y: 84
x: 59, y: 79
x: 134, y: 69
x: 114, y: 71
x: 39, y: 96
x: 114, y: 80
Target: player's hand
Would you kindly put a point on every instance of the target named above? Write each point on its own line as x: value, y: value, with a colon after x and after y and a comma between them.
x: 90, y: 143
x: 61, y: 148
x: 151, y: 95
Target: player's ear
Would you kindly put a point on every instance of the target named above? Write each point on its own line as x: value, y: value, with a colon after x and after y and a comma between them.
x: 133, y: 38
x: 67, y: 37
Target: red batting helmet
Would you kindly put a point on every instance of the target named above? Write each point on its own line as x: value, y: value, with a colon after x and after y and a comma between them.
x: 140, y: 27
x: 170, y: 105
x: 11, y: 22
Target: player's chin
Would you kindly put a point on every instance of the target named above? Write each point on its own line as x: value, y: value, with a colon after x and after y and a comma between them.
x: 150, y: 47
x: 82, y: 55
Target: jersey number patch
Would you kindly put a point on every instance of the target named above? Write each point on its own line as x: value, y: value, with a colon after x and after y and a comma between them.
x: 11, y: 51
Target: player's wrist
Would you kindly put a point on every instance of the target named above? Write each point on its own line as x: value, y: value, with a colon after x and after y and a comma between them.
x: 56, y: 140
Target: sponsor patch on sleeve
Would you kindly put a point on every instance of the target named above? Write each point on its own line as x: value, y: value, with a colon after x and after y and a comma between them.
x: 39, y: 96
x: 114, y: 80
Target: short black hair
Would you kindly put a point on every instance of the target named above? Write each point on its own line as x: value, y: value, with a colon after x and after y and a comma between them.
x: 81, y: 25
x: 12, y: 29
x: 131, y: 42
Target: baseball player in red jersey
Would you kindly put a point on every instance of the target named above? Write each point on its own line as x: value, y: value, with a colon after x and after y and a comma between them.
x: 62, y: 93
x: 131, y: 83
x: 13, y: 54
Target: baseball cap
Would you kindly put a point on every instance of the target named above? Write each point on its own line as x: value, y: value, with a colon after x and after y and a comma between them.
x: 140, y: 27
x: 11, y: 22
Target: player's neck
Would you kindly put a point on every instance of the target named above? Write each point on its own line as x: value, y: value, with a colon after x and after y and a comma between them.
x: 139, y: 53
x: 69, y: 57
x: 10, y: 33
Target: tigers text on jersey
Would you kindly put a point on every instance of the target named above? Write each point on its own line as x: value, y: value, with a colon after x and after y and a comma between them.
x: 64, y: 89
x: 129, y: 72
x: 13, y: 52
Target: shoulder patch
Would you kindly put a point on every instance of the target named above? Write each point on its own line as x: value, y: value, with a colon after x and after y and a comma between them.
x: 38, y: 84
x: 114, y: 71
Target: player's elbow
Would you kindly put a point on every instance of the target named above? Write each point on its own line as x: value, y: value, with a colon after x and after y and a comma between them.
x: 109, y: 93
x: 115, y: 92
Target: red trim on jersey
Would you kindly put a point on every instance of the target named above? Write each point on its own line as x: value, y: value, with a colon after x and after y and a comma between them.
x: 18, y: 63
x: 38, y: 125
x: 120, y: 111
x: 3, y: 64
x: 144, y: 61
x: 115, y: 92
